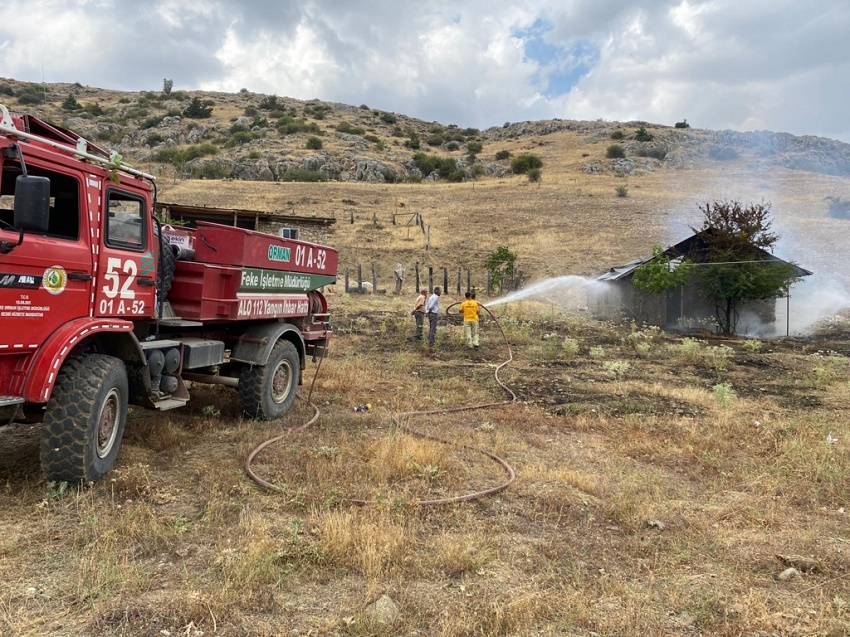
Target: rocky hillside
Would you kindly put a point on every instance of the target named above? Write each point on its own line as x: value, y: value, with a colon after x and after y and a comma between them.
x: 255, y: 137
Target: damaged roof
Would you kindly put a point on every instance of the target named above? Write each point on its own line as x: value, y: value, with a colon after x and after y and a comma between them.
x: 685, y: 246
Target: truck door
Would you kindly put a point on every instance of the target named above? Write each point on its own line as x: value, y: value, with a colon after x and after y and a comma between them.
x: 46, y: 280
x: 126, y: 272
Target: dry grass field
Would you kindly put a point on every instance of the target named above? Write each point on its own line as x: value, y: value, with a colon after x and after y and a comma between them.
x: 665, y: 485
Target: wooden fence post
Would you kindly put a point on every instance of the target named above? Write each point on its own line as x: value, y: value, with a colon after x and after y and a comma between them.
x: 430, y: 278
x: 458, y: 280
x: 374, y: 279
x: 346, y: 280
x: 360, y: 278
x: 445, y: 279
x: 428, y: 238
x: 351, y: 216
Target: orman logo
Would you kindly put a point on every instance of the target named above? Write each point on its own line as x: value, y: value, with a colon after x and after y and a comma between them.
x: 55, y: 279
x: 279, y: 253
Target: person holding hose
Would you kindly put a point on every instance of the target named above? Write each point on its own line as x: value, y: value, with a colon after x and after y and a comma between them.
x: 432, y: 309
x: 470, y: 309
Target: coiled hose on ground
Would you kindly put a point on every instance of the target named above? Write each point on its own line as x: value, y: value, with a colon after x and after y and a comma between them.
x: 511, y: 474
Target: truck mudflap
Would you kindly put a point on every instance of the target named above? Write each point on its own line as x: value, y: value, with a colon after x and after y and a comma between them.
x: 50, y: 357
x: 255, y: 345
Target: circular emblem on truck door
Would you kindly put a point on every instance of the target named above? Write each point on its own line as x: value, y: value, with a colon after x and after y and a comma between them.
x: 55, y: 279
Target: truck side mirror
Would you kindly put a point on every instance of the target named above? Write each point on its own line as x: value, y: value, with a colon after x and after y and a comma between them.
x: 32, y: 203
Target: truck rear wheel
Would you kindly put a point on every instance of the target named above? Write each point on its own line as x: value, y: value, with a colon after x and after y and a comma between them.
x: 267, y: 391
x: 85, y: 419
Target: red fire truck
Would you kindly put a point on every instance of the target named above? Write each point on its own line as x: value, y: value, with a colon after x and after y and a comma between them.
x: 101, y: 305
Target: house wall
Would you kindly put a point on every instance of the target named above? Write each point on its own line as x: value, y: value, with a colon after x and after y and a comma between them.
x: 683, y: 309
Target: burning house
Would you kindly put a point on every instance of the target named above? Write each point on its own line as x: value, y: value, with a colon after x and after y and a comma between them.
x: 685, y: 307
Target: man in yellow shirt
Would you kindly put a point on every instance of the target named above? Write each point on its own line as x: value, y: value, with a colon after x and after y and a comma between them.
x: 470, y: 309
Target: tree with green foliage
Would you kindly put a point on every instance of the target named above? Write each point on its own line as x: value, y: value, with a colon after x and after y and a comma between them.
x: 643, y: 135
x: 661, y: 273
x: 167, y: 85
x: 521, y: 164
x: 734, y: 260
x: 500, y: 264
x: 70, y: 103
x: 198, y: 109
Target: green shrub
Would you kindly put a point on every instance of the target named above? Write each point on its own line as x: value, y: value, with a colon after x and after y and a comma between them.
x: 643, y: 135
x: 724, y: 394
x: 313, y: 143
x: 569, y: 348
x: 752, y: 345
x: 347, y: 127
x: 153, y: 139
x: 615, y: 151
x: 300, y: 174
x: 289, y: 126
x: 434, y: 140
x: 255, y: 154
x: 622, y: 191
x: 656, y: 153
x: 96, y: 110
x: 412, y: 140
x: 521, y: 164
x: 597, y: 352
x: 452, y: 146
x: 535, y: 175
x: 209, y: 170
x: 682, y: 124
x: 617, y: 369
x: 456, y: 176
x: 268, y: 103
x: 179, y: 156
x: 689, y: 350
x: 238, y: 139
x: 317, y: 110
x: 473, y: 148
x: 477, y: 170
x: 503, y: 154
x: 5, y: 89
x: 388, y: 118
x: 151, y: 122
x: 31, y: 94
x: 167, y: 85
x: 618, y: 134
x: 444, y: 166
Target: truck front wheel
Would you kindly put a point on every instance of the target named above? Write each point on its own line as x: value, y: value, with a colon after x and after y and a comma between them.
x: 85, y: 419
x: 267, y: 391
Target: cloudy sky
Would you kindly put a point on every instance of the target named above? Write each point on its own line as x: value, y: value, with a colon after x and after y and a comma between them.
x: 780, y: 65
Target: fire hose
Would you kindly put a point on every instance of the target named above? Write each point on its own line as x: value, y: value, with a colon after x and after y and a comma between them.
x: 396, y: 418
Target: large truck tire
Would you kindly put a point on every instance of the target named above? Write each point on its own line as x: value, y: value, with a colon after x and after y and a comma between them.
x: 267, y: 391
x: 165, y: 274
x: 85, y: 419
